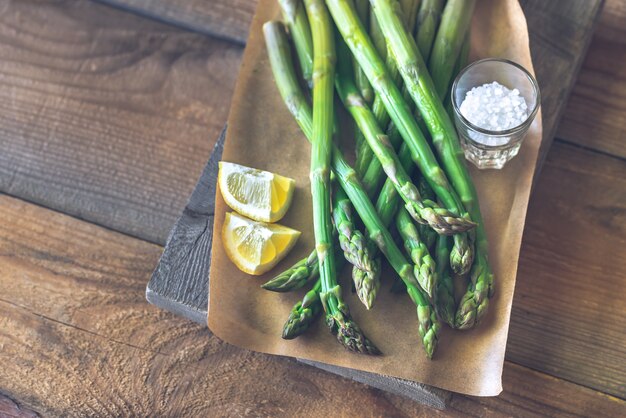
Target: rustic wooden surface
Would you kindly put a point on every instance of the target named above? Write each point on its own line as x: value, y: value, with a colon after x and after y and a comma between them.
x: 107, y: 116
x: 76, y: 336
x: 595, y: 116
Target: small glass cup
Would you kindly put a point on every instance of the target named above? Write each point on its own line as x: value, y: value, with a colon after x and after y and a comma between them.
x: 483, y: 147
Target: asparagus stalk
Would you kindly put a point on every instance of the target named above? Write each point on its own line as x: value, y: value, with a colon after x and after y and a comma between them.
x: 304, y: 313
x: 461, y: 62
x: 428, y: 323
x: 455, y: 22
x: 427, y: 24
x: 363, y: 84
x: 338, y: 317
x: 296, y: 276
x: 362, y: 48
x: 424, y: 265
x: 405, y: 10
x: 445, y: 304
x: 429, y: 236
x: 366, y: 271
x: 425, y: 212
x: 422, y: 89
x: 296, y: 19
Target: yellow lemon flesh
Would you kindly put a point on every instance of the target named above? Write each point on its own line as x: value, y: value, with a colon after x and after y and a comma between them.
x: 257, y: 194
x: 256, y: 247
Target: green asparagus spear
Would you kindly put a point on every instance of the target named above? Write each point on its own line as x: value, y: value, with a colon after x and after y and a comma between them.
x: 404, y: 10
x: 427, y: 24
x: 445, y: 304
x: 361, y: 47
x: 301, y: 273
x: 363, y: 84
x: 455, y: 22
x: 338, y: 317
x: 366, y: 271
x: 296, y: 19
x: 426, y: 212
x: 304, y: 313
x: 429, y: 236
x: 424, y: 265
x: 445, y: 140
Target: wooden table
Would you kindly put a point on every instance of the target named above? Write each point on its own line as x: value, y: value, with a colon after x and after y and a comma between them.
x: 106, y: 120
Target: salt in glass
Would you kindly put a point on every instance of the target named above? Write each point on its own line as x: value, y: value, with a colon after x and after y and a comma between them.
x: 483, y: 147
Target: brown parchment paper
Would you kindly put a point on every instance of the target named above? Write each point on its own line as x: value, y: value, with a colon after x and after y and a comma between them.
x: 261, y: 133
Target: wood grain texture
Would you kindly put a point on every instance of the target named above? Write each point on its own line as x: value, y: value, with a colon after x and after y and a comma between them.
x: 227, y: 19
x: 570, y: 299
x: 105, y: 115
x: 9, y: 409
x: 180, y: 282
x: 78, y: 339
x: 559, y: 32
x: 595, y: 114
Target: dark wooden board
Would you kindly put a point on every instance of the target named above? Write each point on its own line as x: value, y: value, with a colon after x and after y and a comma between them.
x: 227, y: 19
x: 78, y: 339
x: 105, y: 115
x: 595, y: 113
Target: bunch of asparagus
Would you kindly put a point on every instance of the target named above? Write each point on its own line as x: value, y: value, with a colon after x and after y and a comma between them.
x: 391, y: 66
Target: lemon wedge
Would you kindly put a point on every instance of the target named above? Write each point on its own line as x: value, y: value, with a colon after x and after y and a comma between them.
x: 257, y: 194
x: 256, y: 247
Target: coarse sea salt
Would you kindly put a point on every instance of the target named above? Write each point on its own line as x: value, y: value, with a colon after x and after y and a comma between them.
x: 494, y: 107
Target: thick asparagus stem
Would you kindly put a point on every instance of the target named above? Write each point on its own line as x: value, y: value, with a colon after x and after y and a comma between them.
x: 428, y: 323
x: 427, y: 23
x: 296, y: 19
x: 366, y: 270
x: 424, y: 265
x: 304, y: 313
x: 455, y: 22
x: 338, y: 317
x: 446, y: 142
x: 445, y: 304
x: 363, y: 84
x: 362, y: 48
x: 438, y: 218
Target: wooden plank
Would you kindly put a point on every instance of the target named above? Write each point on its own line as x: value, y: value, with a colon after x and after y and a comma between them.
x: 568, y: 312
x: 105, y: 115
x: 9, y: 409
x: 78, y: 339
x: 559, y: 32
x: 180, y: 281
x: 227, y: 19
x: 595, y: 115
